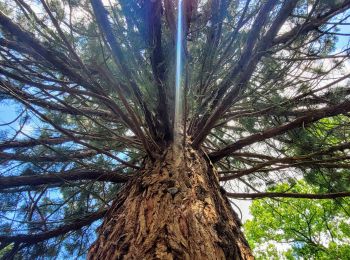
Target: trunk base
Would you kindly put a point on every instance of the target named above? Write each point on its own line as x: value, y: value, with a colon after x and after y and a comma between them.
x: 173, y: 210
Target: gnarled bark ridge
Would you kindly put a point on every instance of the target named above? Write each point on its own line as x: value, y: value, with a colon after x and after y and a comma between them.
x: 173, y: 210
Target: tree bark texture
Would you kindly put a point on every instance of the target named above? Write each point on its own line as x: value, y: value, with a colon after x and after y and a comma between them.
x: 174, y: 209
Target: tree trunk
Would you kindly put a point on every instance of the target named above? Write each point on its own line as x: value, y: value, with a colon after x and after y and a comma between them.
x: 173, y: 210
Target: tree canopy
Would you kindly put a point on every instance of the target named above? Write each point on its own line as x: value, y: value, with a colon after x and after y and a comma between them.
x: 264, y: 93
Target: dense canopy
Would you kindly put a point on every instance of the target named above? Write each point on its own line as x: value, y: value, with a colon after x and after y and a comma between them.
x: 89, y: 90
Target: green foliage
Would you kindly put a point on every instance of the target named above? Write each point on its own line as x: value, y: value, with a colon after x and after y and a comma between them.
x: 299, y: 228
x: 5, y: 251
x: 326, y: 133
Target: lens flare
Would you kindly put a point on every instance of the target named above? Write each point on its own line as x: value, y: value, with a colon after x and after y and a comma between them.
x: 178, y: 75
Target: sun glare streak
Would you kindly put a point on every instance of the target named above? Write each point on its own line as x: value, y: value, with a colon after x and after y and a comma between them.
x: 178, y: 75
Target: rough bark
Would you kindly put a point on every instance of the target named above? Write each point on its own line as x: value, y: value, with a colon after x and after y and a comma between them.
x: 174, y: 209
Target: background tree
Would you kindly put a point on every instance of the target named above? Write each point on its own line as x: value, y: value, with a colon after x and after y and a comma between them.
x: 265, y: 101
x: 302, y: 228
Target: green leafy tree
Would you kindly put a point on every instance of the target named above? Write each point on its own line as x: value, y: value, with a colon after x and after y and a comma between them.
x: 299, y: 229
x: 94, y: 141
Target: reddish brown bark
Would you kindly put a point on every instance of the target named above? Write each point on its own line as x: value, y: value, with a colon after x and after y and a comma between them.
x: 173, y: 210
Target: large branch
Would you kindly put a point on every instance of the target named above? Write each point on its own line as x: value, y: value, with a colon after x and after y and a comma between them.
x: 68, y: 132
x: 33, y: 142
x: 58, y: 178
x: 283, y: 108
x: 101, y: 15
x: 262, y: 195
x: 59, y: 157
x: 287, y: 162
x: 312, y: 24
x: 53, y: 57
x: 35, y: 238
x: 56, y: 107
x: 153, y: 17
x: 252, y: 38
x: 241, y: 73
x: 299, y: 122
x: 59, y: 62
x: 62, y: 88
x: 28, y: 143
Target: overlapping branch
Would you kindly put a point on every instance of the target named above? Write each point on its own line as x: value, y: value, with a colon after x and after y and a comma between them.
x: 61, y: 230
